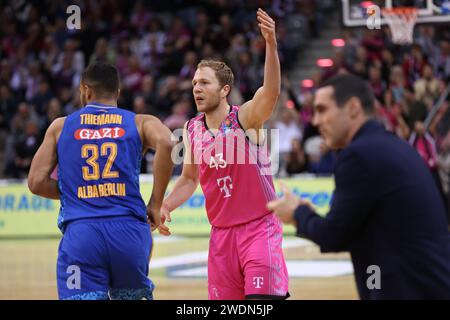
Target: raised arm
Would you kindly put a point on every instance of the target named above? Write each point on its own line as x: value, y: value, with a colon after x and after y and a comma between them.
x: 157, y: 136
x: 44, y: 161
x: 255, y: 112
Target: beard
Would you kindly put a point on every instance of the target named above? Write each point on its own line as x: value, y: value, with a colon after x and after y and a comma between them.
x: 209, y: 105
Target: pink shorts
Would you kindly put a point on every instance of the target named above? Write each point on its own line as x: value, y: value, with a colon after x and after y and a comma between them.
x: 247, y: 262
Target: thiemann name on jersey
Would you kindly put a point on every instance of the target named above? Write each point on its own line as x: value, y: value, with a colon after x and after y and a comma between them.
x: 101, y: 119
x: 102, y: 190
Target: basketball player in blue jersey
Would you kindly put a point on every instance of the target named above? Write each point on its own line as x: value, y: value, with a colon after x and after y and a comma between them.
x: 106, y: 244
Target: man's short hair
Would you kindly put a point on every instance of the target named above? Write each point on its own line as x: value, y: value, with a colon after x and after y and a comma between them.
x: 347, y: 86
x: 103, y: 78
x: 222, y: 71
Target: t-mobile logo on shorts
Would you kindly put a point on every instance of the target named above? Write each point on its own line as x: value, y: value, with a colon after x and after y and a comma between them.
x: 258, y: 282
x: 215, y: 293
x: 225, y: 185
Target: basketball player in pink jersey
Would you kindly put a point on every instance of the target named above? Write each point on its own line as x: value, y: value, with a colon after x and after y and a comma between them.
x: 245, y: 255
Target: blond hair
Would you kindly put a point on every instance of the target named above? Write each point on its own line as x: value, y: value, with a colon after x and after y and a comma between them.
x: 222, y: 71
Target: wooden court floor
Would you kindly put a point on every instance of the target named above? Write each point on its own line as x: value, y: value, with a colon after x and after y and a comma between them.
x: 27, y: 271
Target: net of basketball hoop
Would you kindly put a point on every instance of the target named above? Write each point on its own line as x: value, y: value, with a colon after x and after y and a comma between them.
x: 401, y: 21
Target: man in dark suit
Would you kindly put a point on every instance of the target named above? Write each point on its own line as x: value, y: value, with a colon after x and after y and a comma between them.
x: 386, y: 209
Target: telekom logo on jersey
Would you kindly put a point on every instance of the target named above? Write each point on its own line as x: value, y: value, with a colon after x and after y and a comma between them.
x: 91, y: 134
x: 225, y: 185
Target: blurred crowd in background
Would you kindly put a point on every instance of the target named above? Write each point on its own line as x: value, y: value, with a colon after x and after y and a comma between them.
x: 407, y: 82
x: 157, y: 44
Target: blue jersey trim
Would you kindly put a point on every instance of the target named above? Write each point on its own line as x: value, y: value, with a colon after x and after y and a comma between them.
x: 132, y: 294
x: 94, y: 104
x: 93, y: 295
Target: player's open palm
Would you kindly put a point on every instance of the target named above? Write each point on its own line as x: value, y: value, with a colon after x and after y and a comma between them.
x: 267, y: 26
x: 285, y: 206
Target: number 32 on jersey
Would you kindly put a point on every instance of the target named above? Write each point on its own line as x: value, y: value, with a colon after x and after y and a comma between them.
x: 90, y: 151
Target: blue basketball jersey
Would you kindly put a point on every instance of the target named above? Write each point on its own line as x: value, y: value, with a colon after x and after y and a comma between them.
x: 99, y: 161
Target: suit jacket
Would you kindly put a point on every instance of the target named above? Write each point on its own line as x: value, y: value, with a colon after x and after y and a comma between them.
x: 385, y: 210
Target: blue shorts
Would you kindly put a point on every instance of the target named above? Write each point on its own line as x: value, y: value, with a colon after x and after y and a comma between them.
x: 100, y: 259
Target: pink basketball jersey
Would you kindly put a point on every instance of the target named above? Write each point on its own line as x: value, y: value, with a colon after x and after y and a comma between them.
x: 235, y: 174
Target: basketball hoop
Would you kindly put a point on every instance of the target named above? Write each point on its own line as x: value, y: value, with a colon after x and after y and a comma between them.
x: 401, y: 21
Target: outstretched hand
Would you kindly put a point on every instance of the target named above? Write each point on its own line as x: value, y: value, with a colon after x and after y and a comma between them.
x: 285, y: 206
x: 267, y: 26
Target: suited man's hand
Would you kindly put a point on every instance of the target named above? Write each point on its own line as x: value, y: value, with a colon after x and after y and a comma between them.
x: 285, y: 206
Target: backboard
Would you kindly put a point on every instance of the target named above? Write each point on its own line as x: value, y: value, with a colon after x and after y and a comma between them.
x: 354, y: 12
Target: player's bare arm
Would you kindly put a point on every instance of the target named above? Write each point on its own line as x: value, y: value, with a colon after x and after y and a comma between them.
x: 44, y: 162
x: 157, y: 136
x: 184, y: 187
x: 255, y: 112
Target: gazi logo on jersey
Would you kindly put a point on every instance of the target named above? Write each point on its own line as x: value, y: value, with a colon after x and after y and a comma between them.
x: 91, y: 134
